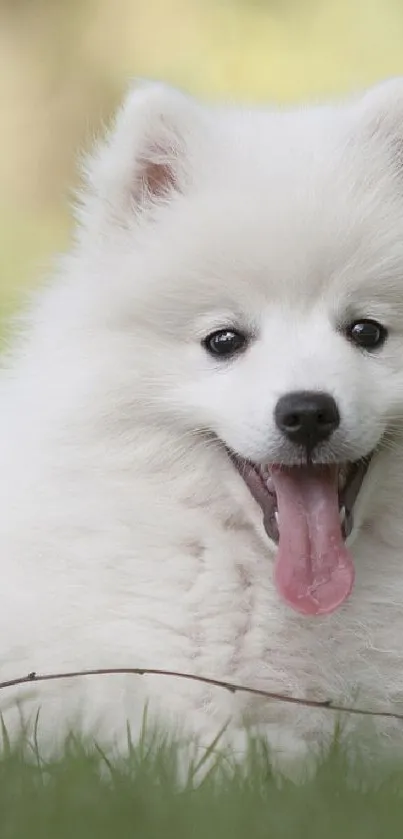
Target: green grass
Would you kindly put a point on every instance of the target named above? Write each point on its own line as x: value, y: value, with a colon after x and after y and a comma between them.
x: 84, y: 795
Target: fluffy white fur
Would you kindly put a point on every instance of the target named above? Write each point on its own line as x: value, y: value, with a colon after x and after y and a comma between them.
x: 127, y: 538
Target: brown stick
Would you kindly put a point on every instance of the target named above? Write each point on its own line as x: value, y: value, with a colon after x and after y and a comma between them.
x: 326, y: 705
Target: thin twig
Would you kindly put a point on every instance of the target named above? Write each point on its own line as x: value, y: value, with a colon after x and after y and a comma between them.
x: 326, y: 705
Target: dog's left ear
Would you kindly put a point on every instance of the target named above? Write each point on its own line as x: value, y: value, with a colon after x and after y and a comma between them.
x: 149, y: 155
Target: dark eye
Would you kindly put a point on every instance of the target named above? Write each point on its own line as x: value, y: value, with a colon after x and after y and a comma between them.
x: 224, y: 342
x: 368, y: 334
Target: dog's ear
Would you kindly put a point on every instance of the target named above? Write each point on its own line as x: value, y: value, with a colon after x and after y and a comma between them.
x: 381, y: 111
x: 148, y: 156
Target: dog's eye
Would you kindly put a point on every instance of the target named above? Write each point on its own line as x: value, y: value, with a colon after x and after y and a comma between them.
x: 224, y: 342
x: 368, y: 334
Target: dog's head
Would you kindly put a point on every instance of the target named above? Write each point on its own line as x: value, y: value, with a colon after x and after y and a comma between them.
x: 255, y: 258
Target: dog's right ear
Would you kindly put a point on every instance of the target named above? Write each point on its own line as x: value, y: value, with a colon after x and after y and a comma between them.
x: 380, y: 114
x: 147, y: 157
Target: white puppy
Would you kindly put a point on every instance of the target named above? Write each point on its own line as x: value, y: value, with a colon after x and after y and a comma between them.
x: 201, y: 426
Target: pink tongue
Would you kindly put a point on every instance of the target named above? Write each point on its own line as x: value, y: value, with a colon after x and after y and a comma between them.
x: 314, y: 572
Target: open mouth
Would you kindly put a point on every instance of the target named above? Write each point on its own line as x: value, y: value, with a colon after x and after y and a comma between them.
x: 308, y: 512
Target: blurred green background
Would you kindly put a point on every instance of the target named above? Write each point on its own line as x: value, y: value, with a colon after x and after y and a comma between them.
x: 65, y: 63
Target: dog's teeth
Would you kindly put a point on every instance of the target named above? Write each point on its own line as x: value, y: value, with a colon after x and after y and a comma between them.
x: 276, y: 517
x: 266, y: 477
x: 342, y: 514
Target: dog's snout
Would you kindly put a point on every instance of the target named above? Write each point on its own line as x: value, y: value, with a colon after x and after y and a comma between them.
x: 307, y: 417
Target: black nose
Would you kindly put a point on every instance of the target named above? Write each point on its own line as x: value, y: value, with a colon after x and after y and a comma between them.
x: 307, y: 417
